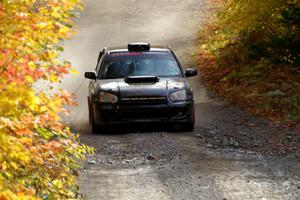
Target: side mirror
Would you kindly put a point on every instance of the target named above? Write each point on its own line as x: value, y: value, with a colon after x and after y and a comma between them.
x: 90, y: 75
x: 190, y: 72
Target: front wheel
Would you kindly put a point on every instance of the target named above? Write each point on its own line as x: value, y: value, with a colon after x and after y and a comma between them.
x: 93, y: 126
x: 185, y: 127
x: 189, y: 127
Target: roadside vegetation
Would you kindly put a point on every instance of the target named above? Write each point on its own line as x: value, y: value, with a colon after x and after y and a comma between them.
x: 249, y: 53
x: 38, y: 153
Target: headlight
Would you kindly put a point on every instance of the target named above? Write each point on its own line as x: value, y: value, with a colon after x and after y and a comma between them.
x: 180, y: 95
x: 105, y: 97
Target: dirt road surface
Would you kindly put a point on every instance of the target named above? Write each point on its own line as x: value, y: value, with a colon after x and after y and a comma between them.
x: 230, y: 155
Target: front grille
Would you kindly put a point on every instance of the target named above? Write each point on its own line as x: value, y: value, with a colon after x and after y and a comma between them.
x: 144, y: 115
x: 143, y: 100
x: 153, y: 113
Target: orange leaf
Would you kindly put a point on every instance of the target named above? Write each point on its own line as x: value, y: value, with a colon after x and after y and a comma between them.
x: 24, y: 132
x: 3, y: 58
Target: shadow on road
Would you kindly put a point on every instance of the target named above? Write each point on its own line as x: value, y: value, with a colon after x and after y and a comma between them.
x: 137, y: 128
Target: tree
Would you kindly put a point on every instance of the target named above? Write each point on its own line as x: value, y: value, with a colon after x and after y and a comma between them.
x: 38, y: 153
x: 249, y: 53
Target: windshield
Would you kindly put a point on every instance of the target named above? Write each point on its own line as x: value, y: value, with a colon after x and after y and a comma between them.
x: 121, y: 65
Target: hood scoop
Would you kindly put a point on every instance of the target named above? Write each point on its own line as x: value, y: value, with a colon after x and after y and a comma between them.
x: 141, y: 79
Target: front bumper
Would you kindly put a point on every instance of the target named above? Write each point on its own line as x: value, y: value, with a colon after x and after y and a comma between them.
x: 181, y: 112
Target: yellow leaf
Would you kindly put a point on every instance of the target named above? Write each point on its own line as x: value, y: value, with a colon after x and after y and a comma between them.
x: 74, y: 71
x: 29, y: 79
x: 53, y: 78
x: 31, y: 65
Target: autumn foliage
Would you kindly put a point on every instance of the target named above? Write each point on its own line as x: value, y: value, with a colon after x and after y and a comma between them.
x: 38, y: 153
x: 249, y: 53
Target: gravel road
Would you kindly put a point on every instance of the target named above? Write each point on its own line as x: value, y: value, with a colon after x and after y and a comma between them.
x: 230, y: 155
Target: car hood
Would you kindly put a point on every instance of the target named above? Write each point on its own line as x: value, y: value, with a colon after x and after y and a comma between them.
x: 160, y: 88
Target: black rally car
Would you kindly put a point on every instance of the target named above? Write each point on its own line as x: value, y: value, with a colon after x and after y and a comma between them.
x: 140, y: 83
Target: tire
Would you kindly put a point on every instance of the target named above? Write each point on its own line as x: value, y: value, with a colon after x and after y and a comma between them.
x: 189, y: 127
x: 93, y: 126
x: 182, y: 127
